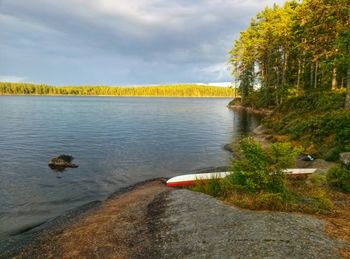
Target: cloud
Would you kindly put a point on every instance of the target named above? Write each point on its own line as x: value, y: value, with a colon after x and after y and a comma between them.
x: 13, y: 79
x: 120, y: 42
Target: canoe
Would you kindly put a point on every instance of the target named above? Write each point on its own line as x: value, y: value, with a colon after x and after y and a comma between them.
x: 190, y: 179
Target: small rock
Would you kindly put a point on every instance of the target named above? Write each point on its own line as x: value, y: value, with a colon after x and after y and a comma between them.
x: 269, y: 137
x: 228, y: 147
x: 61, y: 162
x: 259, y: 130
x: 345, y: 159
x: 306, y: 157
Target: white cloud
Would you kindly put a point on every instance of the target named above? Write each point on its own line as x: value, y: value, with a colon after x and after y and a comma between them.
x: 13, y: 79
x: 217, y: 71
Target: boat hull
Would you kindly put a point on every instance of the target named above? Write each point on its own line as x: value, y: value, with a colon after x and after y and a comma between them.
x: 191, y: 179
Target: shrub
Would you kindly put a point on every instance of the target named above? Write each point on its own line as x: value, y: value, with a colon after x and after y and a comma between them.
x: 258, y: 169
x: 316, y: 119
x: 333, y: 154
x: 322, y: 201
x: 316, y: 180
x: 215, y: 187
x: 339, y: 177
x: 235, y: 101
x: 273, y: 201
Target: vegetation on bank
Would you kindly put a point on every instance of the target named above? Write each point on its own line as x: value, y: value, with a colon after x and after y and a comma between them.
x: 258, y: 181
x: 317, y: 122
x: 293, y: 50
x: 184, y: 90
x: 295, y: 60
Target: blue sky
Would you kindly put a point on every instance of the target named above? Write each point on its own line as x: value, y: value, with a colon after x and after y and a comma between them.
x: 120, y: 42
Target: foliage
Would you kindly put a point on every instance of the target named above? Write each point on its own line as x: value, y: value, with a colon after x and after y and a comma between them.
x: 339, y: 177
x: 316, y: 121
x: 311, y: 195
x: 259, y: 169
x: 216, y: 187
x: 166, y: 90
x: 333, y: 153
x: 235, y: 101
x: 294, y: 49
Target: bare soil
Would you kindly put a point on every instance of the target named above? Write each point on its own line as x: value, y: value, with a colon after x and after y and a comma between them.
x: 116, y: 229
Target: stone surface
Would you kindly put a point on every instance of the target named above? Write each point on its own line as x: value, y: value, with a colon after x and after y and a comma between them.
x: 195, y: 225
x: 345, y: 158
x: 154, y: 221
x: 228, y: 147
x: 61, y: 162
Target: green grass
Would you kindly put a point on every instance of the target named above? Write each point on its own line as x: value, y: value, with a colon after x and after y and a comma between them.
x: 312, y: 195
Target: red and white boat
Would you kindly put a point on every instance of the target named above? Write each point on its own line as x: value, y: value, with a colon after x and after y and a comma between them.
x: 190, y: 179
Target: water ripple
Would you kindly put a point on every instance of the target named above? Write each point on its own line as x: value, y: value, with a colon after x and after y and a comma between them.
x: 116, y: 142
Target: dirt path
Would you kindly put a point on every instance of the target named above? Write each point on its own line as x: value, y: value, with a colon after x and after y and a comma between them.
x: 153, y: 221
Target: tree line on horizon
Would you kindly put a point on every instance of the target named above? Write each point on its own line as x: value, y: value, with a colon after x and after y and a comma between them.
x: 293, y: 50
x: 180, y: 90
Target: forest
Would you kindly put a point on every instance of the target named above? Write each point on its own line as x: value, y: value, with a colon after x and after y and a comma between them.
x: 294, y: 60
x: 293, y: 50
x: 181, y: 90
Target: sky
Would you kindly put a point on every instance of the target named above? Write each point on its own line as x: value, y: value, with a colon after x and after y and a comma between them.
x: 121, y: 42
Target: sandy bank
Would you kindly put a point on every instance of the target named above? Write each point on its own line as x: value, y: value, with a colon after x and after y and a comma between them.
x: 154, y: 221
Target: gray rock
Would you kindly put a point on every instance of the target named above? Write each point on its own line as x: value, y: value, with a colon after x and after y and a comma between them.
x: 195, y: 225
x: 61, y: 162
x: 345, y: 159
x: 228, y: 147
x: 259, y: 130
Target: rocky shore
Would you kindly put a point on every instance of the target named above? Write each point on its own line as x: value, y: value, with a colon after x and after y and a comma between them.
x: 259, y: 112
x: 151, y: 220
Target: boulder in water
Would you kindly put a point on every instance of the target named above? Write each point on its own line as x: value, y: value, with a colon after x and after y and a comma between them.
x: 61, y: 162
x: 228, y: 147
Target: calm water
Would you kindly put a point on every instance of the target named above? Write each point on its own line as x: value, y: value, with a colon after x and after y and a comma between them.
x: 116, y: 142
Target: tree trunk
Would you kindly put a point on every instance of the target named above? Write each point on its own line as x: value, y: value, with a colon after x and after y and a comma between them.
x: 347, y: 100
x: 334, y: 78
x: 284, y: 71
x: 299, y: 72
x: 311, y: 75
x: 316, y: 67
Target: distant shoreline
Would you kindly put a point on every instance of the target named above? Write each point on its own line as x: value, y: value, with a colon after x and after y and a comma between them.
x: 144, y: 96
x: 180, y: 90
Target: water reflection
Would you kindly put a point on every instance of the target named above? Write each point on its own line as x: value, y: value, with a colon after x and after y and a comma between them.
x: 245, y: 122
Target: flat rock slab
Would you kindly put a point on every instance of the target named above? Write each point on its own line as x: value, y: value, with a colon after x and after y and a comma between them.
x: 154, y: 221
x: 195, y: 225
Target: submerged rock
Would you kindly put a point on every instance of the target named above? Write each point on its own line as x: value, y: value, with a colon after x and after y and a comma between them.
x: 228, y: 147
x: 61, y: 162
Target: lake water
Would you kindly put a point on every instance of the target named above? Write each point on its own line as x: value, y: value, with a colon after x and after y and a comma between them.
x: 116, y: 141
